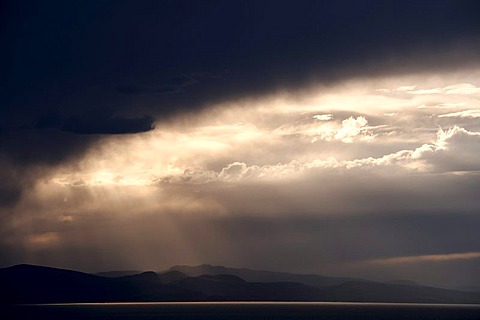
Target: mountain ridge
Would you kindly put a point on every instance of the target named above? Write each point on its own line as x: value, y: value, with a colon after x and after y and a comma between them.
x: 39, y: 284
x: 254, y: 275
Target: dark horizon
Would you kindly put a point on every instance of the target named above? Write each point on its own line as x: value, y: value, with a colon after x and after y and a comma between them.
x: 40, y: 285
x: 249, y: 274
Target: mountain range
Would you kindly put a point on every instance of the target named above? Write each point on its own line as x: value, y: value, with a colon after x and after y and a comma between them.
x: 38, y: 284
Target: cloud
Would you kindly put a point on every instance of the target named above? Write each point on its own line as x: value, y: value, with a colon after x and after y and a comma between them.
x: 426, y: 91
x: 43, y: 240
x: 462, y: 114
x: 346, y: 131
x: 176, y: 85
x: 282, y: 137
x: 96, y: 122
x: 169, y: 59
x: 30, y: 153
x: 458, y: 89
x: 455, y: 150
x: 23, y: 164
x: 426, y: 258
x: 351, y: 128
x: 323, y: 117
x: 51, y: 119
x: 107, y: 125
x: 462, y: 88
x: 405, y: 88
x: 443, y: 105
x: 133, y: 89
x: 11, y: 187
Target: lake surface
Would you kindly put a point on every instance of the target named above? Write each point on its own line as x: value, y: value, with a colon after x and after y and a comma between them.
x: 244, y: 310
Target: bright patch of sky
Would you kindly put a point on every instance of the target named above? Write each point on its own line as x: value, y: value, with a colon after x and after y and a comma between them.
x: 352, y: 125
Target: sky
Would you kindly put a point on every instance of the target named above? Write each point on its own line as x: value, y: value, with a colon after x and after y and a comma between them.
x: 331, y: 137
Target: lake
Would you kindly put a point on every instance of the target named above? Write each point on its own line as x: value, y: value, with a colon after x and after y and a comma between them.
x: 243, y: 310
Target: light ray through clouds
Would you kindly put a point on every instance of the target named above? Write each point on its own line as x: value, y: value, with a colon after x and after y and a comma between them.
x: 406, y: 147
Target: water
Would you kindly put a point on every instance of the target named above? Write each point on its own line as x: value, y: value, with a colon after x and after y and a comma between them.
x: 244, y: 310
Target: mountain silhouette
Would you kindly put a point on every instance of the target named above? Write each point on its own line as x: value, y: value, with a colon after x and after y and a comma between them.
x: 173, y: 275
x: 263, y: 275
x: 37, y: 284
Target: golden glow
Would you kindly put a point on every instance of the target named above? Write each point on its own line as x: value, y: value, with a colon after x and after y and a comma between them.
x: 43, y: 240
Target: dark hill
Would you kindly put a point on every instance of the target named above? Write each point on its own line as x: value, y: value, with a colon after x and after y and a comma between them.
x: 116, y: 274
x: 148, y: 276
x: 169, y: 276
x: 232, y: 288
x: 36, y: 284
x: 403, y: 282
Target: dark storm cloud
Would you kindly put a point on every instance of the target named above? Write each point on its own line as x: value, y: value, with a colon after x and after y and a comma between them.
x: 97, y: 122
x: 75, y: 56
x: 175, y: 85
x: 51, y: 119
x: 133, y: 89
x: 10, y: 188
x: 107, y: 125
x: 27, y: 154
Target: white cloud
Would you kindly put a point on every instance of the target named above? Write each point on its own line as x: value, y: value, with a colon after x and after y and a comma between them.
x: 455, y: 89
x: 351, y: 128
x: 405, y: 88
x: 426, y: 158
x: 459, y: 89
x: 426, y: 91
x: 348, y: 130
x: 458, y: 150
x: 462, y: 114
x: 323, y: 117
x: 462, y: 88
x: 442, y: 106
